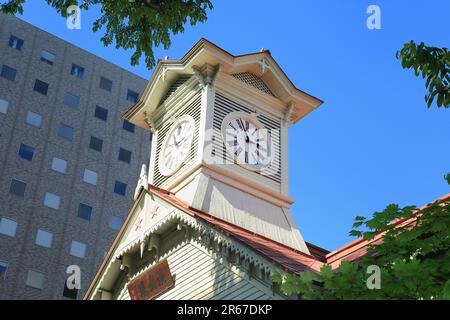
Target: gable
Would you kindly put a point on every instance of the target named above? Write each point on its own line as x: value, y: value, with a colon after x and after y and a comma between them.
x: 199, y: 275
x: 254, y: 81
x: 149, y: 213
x: 257, y: 69
x: 234, y: 261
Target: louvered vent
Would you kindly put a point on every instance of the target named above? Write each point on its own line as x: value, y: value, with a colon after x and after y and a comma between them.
x: 254, y: 81
x: 224, y: 106
x: 192, y: 108
x: 175, y: 85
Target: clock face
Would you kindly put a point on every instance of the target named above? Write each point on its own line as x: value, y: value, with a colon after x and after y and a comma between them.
x: 177, y: 145
x: 246, y: 140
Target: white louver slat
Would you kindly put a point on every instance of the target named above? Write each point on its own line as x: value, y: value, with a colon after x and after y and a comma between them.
x: 174, y: 87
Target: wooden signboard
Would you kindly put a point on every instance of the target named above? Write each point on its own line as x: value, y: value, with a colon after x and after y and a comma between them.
x: 152, y: 282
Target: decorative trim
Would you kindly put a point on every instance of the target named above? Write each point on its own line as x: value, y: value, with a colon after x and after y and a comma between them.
x: 287, y: 114
x: 218, y: 244
x: 149, y: 121
x: 143, y: 181
x: 206, y: 74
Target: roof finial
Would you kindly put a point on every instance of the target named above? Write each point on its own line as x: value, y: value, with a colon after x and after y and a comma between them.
x: 143, y: 181
x: 166, y: 58
x: 262, y: 50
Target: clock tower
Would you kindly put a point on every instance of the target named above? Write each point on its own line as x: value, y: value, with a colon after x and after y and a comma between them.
x: 220, y: 131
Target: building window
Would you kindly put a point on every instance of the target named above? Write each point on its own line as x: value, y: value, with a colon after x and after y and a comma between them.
x: 77, y: 71
x: 90, y: 177
x: 8, y: 73
x: 8, y: 227
x: 35, y: 279
x: 65, y: 132
x: 115, y: 222
x: 47, y: 57
x: 17, y: 188
x: 15, y: 43
x: 26, y: 152
x: 120, y: 188
x: 124, y: 155
x: 69, y: 293
x: 41, y: 87
x: 96, y: 144
x: 128, y: 126
x: 84, y: 211
x: 34, y: 119
x: 3, y: 268
x: 44, y: 238
x: 59, y: 165
x: 105, y: 84
x: 78, y: 249
x: 132, y: 96
x: 101, y: 113
x: 52, y: 200
x: 71, y: 100
x: 4, y: 106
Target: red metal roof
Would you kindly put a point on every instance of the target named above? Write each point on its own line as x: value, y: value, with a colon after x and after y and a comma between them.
x: 358, y: 248
x: 287, y: 258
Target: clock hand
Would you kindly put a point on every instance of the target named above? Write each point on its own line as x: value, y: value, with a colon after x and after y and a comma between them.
x: 175, y: 141
x: 182, y: 140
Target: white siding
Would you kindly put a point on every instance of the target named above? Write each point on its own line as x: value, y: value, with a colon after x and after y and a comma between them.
x: 198, y: 276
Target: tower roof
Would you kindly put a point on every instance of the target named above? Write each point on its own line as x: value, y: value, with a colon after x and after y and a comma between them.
x: 261, y: 64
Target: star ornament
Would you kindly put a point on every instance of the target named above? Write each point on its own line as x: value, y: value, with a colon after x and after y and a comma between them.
x: 154, y: 211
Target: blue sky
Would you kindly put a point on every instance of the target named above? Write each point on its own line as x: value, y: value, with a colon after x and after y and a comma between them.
x: 373, y: 142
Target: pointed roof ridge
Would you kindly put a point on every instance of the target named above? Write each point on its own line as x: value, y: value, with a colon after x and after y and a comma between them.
x: 305, y: 101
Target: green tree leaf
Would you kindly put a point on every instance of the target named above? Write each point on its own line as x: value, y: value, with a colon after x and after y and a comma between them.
x: 446, y: 291
x: 414, y: 259
x: 431, y: 63
x: 141, y: 25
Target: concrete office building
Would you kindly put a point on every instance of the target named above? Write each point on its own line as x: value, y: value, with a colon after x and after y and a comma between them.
x: 68, y: 162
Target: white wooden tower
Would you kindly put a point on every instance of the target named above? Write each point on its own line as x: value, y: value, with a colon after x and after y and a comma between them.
x: 220, y: 125
x: 211, y: 217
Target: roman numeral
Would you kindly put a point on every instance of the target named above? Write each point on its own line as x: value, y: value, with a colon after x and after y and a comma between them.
x: 241, y: 124
x: 231, y: 125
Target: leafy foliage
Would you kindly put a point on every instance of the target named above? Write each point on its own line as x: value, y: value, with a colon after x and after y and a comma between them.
x: 138, y: 24
x: 433, y: 64
x: 414, y: 259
